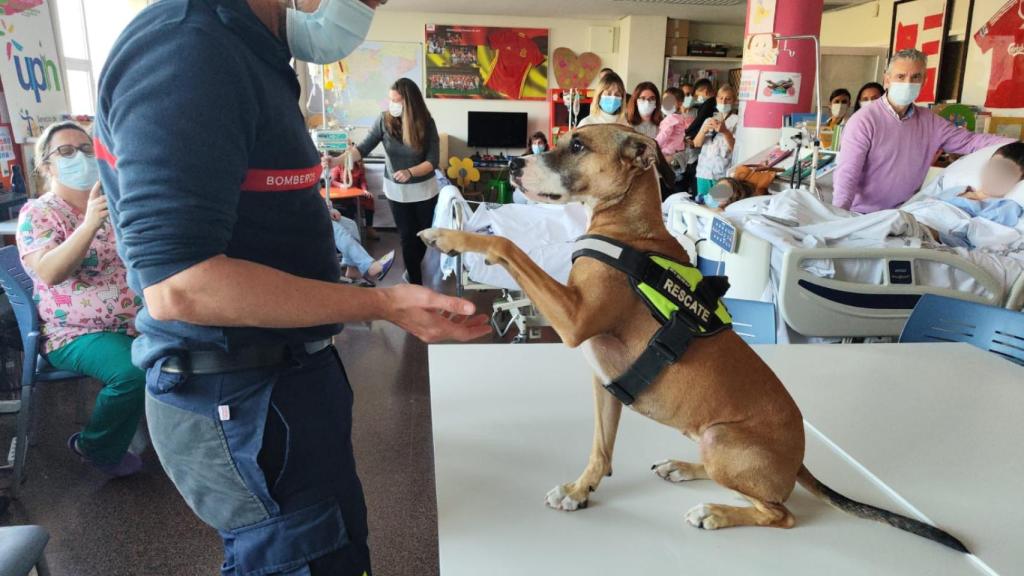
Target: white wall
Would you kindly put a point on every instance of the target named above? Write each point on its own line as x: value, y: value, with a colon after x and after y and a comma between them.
x: 449, y: 114
x: 642, y: 46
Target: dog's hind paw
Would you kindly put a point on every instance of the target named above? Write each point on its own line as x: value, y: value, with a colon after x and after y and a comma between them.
x: 561, y: 498
x: 675, y: 471
x: 703, y: 516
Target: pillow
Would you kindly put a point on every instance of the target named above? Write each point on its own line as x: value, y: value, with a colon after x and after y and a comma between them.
x: 1017, y: 194
x: 966, y: 171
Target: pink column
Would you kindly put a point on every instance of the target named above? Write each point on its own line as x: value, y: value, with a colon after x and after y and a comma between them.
x: 791, y: 17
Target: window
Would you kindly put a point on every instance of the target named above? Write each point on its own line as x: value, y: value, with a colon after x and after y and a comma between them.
x: 88, y: 30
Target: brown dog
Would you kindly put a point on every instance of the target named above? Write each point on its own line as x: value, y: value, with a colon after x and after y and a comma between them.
x: 750, y: 431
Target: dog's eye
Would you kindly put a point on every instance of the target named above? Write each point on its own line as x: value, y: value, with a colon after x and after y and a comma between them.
x: 576, y: 147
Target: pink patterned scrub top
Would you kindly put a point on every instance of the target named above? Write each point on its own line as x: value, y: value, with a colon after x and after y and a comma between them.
x: 96, y: 297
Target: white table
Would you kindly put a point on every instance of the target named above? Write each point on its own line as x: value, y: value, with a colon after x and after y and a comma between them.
x: 920, y: 429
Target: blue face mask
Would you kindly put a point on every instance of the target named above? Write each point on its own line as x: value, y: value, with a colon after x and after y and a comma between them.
x: 331, y: 33
x: 718, y: 194
x: 610, y: 104
x: 78, y: 172
x: 537, y: 149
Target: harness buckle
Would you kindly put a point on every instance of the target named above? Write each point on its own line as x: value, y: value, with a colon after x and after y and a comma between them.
x: 619, y: 393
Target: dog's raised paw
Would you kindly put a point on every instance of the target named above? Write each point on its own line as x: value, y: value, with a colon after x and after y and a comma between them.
x: 674, y: 471
x: 559, y: 498
x: 438, y: 239
x: 703, y: 516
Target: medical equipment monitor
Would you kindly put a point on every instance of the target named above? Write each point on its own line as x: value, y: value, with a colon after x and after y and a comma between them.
x: 497, y: 130
x: 723, y: 235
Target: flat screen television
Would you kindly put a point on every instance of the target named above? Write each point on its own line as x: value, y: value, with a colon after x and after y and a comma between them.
x: 497, y: 130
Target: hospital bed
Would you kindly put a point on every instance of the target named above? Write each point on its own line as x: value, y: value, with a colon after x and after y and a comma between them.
x: 512, y: 309
x: 871, y: 293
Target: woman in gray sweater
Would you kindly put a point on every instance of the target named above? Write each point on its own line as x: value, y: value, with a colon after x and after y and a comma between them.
x: 412, y: 149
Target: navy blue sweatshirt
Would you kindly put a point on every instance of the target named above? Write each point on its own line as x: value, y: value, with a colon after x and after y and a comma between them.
x: 203, y: 151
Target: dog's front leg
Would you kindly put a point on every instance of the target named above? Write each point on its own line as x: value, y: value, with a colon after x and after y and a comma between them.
x: 574, y: 495
x: 574, y: 319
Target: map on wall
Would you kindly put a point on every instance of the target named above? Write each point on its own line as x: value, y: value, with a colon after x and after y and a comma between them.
x: 356, y: 88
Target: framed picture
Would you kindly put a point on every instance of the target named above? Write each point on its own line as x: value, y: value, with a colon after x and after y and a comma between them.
x: 993, y: 77
x: 482, y: 62
x: 1007, y: 126
x: 921, y: 24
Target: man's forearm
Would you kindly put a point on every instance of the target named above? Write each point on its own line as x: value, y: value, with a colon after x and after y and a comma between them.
x: 225, y: 291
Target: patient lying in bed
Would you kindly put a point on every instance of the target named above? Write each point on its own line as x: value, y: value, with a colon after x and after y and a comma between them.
x: 1003, y: 172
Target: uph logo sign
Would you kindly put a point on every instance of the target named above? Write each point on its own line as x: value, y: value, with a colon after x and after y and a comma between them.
x: 36, y: 75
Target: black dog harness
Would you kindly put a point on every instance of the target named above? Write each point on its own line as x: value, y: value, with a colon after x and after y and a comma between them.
x: 685, y: 303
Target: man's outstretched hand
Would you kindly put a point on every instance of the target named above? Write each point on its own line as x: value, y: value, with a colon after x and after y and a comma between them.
x: 434, y: 317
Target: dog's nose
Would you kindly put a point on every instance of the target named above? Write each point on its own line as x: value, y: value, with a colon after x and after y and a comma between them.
x: 515, y: 166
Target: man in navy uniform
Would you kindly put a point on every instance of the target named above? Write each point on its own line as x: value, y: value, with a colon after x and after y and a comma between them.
x: 213, y: 188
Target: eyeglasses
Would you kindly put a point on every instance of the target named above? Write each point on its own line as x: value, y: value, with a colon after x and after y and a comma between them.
x: 68, y: 151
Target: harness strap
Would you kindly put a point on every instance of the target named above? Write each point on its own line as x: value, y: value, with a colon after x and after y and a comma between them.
x: 642, y: 269
x: 665, y: 348
x: 688, y: 311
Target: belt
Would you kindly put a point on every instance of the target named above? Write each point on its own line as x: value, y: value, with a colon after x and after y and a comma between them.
x: 219, y: 362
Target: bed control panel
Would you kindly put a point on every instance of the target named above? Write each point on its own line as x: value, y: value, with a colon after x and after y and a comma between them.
x: 901, y: 272
x: 723, y: 235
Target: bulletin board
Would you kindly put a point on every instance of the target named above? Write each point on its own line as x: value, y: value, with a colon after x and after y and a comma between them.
x: 994, y: 73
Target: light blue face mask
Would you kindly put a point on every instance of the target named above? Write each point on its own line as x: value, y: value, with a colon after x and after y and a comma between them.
x: 610, y: 104
x: 537, y: 149
x: 331, y: 33
x: 718, y: 194
x: 688, y: 102
x: 79, y: 172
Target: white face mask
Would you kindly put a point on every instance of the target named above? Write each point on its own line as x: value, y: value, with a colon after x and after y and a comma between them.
x: 839, y: 109
x: 79, y: 172
x: 331, y: 33
x: 724, y: 108
x: 903, y: 93
x: 645, y: 108
x: 395, y: 109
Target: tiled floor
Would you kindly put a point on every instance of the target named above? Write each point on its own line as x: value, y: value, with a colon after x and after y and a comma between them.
x: 141, y: 526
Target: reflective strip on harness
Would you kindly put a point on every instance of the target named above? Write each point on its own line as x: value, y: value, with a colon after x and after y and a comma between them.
x: 685, y: 302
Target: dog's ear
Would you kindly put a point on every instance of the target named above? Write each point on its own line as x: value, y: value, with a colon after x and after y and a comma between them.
x: 640, y: 151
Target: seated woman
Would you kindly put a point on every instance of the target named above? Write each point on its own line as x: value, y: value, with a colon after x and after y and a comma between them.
x: 538, y: 144
x: 359, y: 266
x: 86, y: 310
x: 1002, y: 173
x: 349, y: 209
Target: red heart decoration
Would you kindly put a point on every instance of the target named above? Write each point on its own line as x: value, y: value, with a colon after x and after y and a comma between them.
x: 572, y: 71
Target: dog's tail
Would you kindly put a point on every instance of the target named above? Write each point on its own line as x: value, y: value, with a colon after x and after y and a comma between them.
x: 868, y: 512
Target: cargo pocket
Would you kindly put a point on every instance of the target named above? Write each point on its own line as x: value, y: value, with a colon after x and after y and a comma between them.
x: 286, y: 544
x: 194, y: 453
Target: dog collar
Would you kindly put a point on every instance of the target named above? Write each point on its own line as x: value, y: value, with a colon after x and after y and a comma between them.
x: 686, y: 304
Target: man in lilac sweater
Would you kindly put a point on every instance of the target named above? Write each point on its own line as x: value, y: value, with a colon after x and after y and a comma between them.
x: 889, y: 144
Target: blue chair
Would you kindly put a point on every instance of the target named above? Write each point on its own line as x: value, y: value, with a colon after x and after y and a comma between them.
x: 941, y: 319
x: 21, y: 550
x: 752, y: 320
x: 34, y: 368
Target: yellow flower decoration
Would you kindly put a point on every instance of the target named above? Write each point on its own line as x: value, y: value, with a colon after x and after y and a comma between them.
x: 462, y: 171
